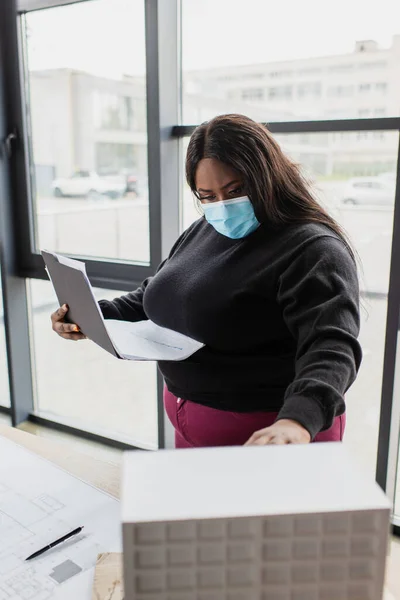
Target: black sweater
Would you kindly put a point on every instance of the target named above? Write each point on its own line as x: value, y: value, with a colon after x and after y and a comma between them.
x: 277, y: 311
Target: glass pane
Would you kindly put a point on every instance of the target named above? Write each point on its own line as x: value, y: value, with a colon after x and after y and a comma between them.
x: 87, y: 113
x: 247, y: 58
x: 396, y: 509
x: 354, y: 178
x: 4, y: 383
x: 85, y: 386
x: 190, y: 210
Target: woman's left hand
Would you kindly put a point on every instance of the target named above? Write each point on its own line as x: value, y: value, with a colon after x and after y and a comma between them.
x: 284, y: 431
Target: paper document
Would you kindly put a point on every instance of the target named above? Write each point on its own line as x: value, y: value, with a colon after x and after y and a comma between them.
x: 143, y: 340
x: 38, y: 504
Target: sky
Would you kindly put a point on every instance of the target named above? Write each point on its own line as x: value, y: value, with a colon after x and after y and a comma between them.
x: 106, y: 37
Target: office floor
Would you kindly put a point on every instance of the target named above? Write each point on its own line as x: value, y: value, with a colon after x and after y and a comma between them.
x: 112, y: 455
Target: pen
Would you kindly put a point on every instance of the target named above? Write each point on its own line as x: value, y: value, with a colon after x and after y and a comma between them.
x: 61, y: 539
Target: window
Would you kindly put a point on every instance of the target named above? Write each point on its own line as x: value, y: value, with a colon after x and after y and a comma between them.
x: 225, y: 78
x: 396, y: 507
x: 337, y: 113
x: 367, y: 217
x: 250, y: 75
x: 309, y: 55
x: 309, y: 90
x: 341, y: 91
x: 253, y: 94
x: 87, y: 109
x: 112, y: 157
x: 82, y: 385
x: 364, y: 112
x: 4, y: 385
x: 312, y: 53
x: 381, y: 86
x: 365, y: 210
x: 113, y: 111
x: 87, y: 134
x: 87, y: 116
x: 256, y: 75
x: 379, y: 64
x: 281, y: 74
x: 283, y: 92
x: 380, y: 112
x: 310, y: 71
x: 341, y: 68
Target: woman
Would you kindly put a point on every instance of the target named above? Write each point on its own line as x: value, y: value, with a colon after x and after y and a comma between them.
x: 267, y: 280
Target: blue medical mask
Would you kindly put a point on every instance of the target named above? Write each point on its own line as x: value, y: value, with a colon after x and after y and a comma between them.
x: 234, y: 218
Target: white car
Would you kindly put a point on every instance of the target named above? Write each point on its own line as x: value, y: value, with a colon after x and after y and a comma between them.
x: 90, y: 185
x: 369, y: 190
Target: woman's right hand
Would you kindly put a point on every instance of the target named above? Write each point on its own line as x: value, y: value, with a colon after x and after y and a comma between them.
x: 68, y: 331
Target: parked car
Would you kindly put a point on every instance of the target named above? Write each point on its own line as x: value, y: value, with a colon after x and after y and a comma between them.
x: 89, y: 184
x: 369, y: 190
x: 130, y: 180
x: 389, y: 177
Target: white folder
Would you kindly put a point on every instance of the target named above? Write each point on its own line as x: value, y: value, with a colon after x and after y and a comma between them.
x: 142, y: 340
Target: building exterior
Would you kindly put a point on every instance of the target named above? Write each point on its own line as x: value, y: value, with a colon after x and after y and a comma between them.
x: 80, y: 121
x: 362, y: 84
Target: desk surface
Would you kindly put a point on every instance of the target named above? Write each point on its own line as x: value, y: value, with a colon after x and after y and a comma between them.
x: 106, y: 476
x: 100, y: 473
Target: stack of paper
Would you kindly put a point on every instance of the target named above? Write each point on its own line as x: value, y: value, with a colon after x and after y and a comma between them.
x: 39, y: 503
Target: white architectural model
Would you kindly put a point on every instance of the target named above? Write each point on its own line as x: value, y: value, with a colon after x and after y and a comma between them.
x: 253, y: 523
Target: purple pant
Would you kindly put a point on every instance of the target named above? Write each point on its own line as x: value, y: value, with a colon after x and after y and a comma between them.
x: 197, y: 426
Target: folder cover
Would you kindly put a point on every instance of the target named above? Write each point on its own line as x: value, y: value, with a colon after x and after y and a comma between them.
x: 142, y: 340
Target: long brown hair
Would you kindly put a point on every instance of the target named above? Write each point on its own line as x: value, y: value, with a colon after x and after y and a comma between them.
x: 275, y: 185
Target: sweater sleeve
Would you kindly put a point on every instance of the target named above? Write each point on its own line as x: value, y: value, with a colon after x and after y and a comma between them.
x: 129, y: 307
x: 319, y: 296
